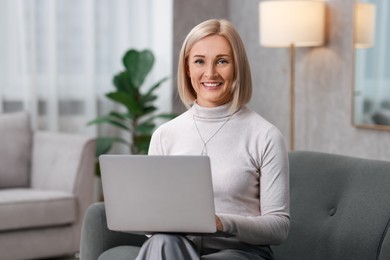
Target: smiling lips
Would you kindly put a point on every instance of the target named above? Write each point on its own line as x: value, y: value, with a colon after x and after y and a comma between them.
x: 211, y: 85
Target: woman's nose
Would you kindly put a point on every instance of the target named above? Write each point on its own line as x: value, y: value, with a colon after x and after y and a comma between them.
x: 211, y: 71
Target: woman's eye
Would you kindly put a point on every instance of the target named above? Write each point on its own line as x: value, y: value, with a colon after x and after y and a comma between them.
x: 198, y: 61
x: 222, y: 61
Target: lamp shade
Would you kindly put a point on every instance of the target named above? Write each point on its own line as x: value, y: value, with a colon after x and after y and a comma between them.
x: 364, y: 25
x: 282, y: 23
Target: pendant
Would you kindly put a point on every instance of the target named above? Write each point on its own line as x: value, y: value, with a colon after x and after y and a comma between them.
x: 204, y: 151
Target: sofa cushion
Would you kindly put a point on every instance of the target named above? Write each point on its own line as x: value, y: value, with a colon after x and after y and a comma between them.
x: 120, y: 253
x: 15, y: 149
x: 28, y: 208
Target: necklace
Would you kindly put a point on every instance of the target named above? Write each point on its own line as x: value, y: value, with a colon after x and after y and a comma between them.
x: 204, y: 149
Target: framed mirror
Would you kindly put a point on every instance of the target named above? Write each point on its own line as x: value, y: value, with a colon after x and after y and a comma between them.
x: 371, y: 91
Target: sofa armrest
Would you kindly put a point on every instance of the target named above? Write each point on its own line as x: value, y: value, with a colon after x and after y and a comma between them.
x: 65, y: 162
x: 97, y: 238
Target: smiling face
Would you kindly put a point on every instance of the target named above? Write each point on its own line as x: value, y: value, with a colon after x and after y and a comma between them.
x: 211, y: 70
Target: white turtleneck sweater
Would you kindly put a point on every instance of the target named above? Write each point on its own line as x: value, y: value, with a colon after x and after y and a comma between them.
x: 249, y: 164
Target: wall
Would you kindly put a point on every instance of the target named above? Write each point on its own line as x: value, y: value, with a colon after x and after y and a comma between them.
x: 324, y: 79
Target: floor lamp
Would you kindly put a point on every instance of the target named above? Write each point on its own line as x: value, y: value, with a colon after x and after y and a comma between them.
x: 364, y: 25
x: 292, y: 24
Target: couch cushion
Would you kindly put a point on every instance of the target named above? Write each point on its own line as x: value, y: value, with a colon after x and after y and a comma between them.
x: 28, y: 208
x: 15, y: 149
x: 120, y: 253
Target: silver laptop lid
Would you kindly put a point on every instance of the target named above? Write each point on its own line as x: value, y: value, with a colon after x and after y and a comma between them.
x: 144, y: 193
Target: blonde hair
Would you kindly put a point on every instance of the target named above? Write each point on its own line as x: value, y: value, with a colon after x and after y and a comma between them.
x: 242, y: 81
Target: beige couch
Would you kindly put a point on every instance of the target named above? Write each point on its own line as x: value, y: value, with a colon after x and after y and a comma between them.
x: 46, y: 183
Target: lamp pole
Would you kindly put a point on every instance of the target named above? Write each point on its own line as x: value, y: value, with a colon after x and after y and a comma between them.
x: 292, y: 97
x: 288, y: 23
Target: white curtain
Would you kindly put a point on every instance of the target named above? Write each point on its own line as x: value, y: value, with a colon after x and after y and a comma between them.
x: 58, y: 57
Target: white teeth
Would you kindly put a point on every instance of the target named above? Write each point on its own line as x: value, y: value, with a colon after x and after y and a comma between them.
x: 211, y: 84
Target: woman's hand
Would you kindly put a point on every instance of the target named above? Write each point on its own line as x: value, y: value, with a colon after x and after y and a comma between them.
x: 218, y: 223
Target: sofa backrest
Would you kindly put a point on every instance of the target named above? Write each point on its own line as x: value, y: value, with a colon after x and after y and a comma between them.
x: 57, y: 158
x: 340, y: 208
x: 15, y: 149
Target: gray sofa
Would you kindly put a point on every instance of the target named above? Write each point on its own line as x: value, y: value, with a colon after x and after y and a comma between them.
x: 340, y: 209
x: 46, y: 184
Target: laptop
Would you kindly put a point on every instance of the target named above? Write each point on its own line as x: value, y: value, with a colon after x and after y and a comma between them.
x: 152, y: 194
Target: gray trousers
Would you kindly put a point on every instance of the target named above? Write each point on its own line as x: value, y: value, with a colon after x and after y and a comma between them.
x: 178, y: 247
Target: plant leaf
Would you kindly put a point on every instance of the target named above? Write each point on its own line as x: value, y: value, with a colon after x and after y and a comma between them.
x: 145, y: 128
x: 156, y: 85
x: 97, y: 168
x: 148, y: 110
x: 98, y: 120
x: 123, y: 83
x: 109, y: 120
x: 166, y: 116
x: 121, y: 116
x: 138, y: 65
x: 148, y: 96
x: 120, y: 125
x: 127, y: 100
x: 103, y: 145
x: 142, y: 142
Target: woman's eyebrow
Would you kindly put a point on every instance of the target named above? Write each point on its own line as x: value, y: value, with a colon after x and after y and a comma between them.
x: 223, y: 55
x: 198, y: 56
x: 203, y: 56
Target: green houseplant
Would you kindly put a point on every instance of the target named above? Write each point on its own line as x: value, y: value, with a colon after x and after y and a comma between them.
x: 138, y: 116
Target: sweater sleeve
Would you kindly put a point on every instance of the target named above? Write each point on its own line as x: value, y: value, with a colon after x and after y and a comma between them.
x: 155, y: 147
x: 271, y: 227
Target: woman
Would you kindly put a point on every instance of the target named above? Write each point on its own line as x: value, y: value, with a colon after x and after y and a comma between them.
x: 248, y: 156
